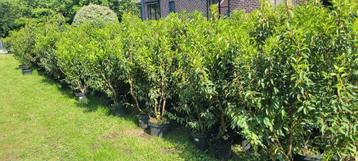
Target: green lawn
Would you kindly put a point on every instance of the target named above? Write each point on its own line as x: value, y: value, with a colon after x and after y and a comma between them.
x: 39, y: 120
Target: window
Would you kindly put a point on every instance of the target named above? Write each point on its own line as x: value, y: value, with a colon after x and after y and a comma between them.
x: 153, y: 11
x: 213, y: 2
x: 277, y: 2
x: 171, y: 6
x: 326, y: 2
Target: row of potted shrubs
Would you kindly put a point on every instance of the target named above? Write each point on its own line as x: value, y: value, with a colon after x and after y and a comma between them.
x: 283, y: 82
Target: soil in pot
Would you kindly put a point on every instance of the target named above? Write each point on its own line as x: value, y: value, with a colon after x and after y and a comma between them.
x: 21, y: 66
x: 82, y: 98
x: 221, y: 149
x: 143, y: 120
x: 157, y: 128
x: 200, y: 140
x: 299, y: 157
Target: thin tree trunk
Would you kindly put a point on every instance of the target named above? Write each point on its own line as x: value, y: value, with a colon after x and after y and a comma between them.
x: 114, y: 94
x: 134, y: 95
x: 289, y: 151
x: 288, y: 7
x: 163, y: 107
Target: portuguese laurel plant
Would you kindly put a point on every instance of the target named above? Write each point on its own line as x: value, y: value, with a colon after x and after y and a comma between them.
x: 285, y: 79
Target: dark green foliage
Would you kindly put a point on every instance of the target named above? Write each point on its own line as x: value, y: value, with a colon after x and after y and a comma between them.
x: 77, y: 55
x: 285, y: 80
x: 22, y: 44
x: 298, y: 90
x: 47, y: 35
x: 135, y: 33
x: 161, y: 66
x: 194, y: 88
x: 9, y: 13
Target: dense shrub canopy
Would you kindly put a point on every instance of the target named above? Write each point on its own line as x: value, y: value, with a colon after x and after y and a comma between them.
x: 94, y: 14
x: 286, y: 81
x: 22, y: 43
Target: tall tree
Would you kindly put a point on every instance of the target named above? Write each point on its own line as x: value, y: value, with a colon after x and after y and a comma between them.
x: 9, y: 13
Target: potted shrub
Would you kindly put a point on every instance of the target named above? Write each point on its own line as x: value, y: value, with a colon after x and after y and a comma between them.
x: 135, y: 33
x: 220, y: 64
x: 82, y: 51
x: 47, y: 35
x: 21, y: 44
x: 297, y: 80
x: 75, y: 58
x: 194, y: 87
x: 159, y: 67
x: 106, y: 67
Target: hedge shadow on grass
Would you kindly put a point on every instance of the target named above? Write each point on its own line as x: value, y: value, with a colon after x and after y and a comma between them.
x: 181, y: 135
x: 95, y: 100
x: 177, y: 135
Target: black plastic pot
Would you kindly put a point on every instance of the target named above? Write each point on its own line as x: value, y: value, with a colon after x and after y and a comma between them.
x: 221, y: 150
x: 118, y: 110
x: 26, y: 71
x: 299, y: 157
x: 143, y: 120
x: 157, y: 129
x: 62, y: 82
x: 20, y: 66
x: 82, y: 98
x: 200, y: 140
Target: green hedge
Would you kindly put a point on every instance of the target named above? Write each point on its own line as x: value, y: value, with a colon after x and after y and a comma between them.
x: 286, y: 81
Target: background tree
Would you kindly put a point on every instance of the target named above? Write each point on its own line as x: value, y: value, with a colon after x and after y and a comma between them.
x: 9, y: 13
x: 94, y: 14
x: 15, y: 13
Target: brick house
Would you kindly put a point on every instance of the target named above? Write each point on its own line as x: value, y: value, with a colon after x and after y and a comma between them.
x: 155, y: 9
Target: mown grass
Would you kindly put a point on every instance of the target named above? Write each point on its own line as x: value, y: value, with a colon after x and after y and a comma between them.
x: 39, y: 120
